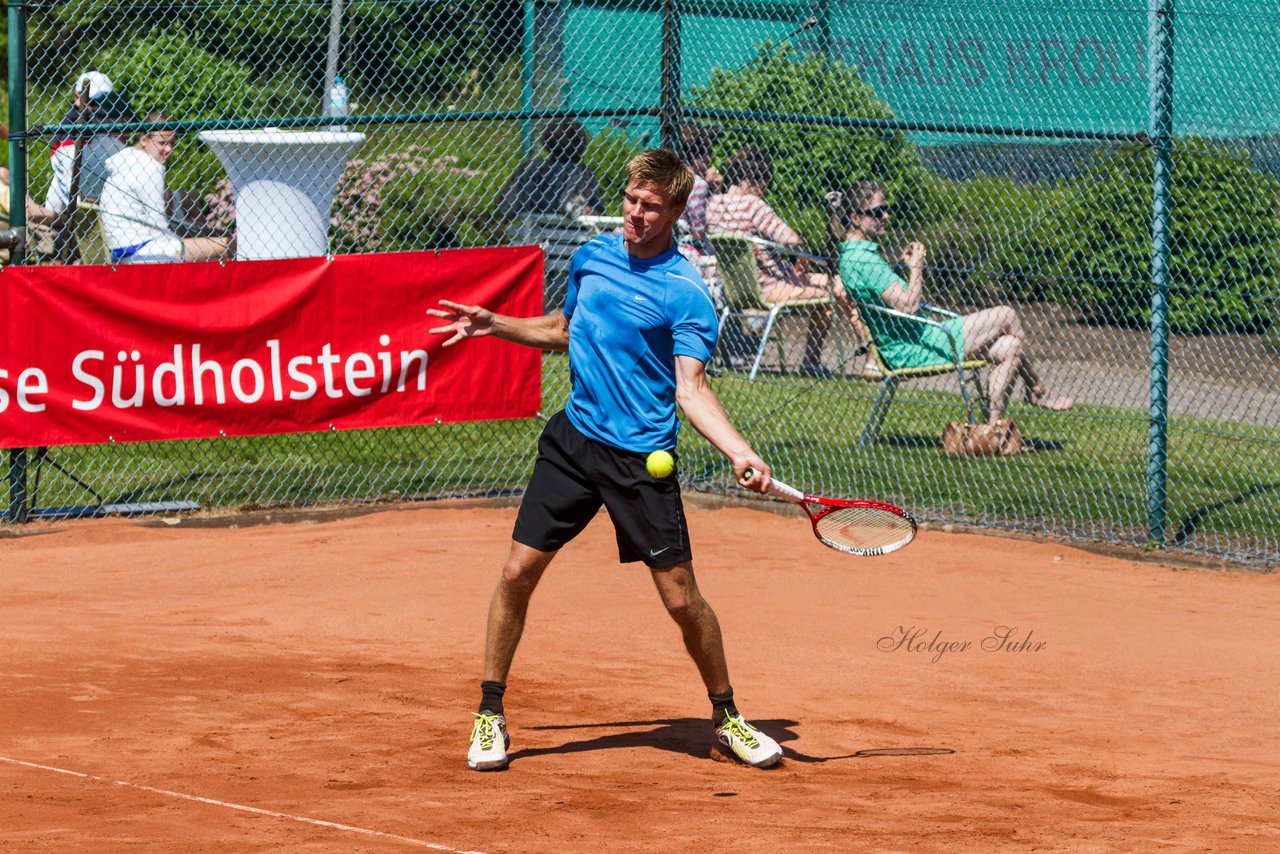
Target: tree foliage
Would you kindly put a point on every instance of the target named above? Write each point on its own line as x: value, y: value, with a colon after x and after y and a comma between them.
x: 146, y: 69
x: 410, y: 47
x: 1094, y: 250
x: 811, y: 159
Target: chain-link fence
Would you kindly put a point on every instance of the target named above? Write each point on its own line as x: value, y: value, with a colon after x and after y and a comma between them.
x: 1107, y: 171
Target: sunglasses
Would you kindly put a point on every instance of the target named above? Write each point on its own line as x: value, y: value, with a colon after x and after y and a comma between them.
x: 879, y: 211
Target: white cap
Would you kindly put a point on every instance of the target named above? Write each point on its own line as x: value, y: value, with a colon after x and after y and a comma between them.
x: 99, y: 84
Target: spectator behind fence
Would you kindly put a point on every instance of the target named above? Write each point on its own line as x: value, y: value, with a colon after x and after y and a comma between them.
x: 103, y: 105
x: 4, y: 201
x: 134, y: 206
x: 6, y: 190
x: 560, y: 183
x: 32, y: 208
x: 696, y: 143
x: 743, y: 210
x: 695, y: 147
x: 94, y: 101
x: 995, y: 334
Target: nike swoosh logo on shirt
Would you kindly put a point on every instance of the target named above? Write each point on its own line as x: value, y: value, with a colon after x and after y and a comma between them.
x: 656, y: 552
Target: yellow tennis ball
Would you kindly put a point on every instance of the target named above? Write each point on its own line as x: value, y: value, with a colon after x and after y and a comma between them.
x: 660, y: 464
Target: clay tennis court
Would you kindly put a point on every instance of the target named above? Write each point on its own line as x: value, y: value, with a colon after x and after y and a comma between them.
x: 306, y: 685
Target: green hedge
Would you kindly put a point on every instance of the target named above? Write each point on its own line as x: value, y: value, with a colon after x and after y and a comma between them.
x: 982, y: 247
x: 1093, y: 249
x: 167, y: 69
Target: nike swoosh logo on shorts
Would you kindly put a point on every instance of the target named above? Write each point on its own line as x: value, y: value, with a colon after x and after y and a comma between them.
x: 656, y: 552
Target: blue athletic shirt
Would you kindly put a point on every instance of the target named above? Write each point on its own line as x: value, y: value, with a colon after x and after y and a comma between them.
x: 628, y: 320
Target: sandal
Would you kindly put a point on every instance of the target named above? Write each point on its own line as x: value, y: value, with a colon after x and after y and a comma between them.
x: 1045, y: 399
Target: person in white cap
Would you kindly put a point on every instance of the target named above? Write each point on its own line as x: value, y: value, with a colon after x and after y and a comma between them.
x: 102, y: 104
x: 98, y: 83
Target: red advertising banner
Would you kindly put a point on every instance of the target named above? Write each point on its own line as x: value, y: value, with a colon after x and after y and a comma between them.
x: 187, y: 351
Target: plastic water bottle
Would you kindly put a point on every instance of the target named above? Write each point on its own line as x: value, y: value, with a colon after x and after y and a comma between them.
x: 335, y: 105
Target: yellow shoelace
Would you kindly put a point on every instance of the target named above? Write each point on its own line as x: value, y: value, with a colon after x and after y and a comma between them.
x: 484, y: 729
x: 737, y: 726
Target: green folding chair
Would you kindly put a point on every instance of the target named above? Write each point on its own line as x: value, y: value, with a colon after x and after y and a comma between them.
x: 966, y: 370
x: 740, y: 281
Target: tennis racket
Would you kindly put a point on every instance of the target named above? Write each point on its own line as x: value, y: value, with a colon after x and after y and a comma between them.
x: 852, y: 526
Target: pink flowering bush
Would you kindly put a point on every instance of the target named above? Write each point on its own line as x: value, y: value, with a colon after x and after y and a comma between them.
x: 222, y: 206
x: 357, y: 205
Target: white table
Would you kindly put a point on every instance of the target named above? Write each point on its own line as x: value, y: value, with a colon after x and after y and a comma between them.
x: 284, y: 183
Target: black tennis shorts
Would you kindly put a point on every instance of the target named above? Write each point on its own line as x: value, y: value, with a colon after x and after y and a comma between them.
x: 574, y: 475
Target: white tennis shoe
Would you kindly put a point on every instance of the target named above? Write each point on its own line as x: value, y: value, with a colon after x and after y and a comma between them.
x: 489, y: 743
x: 747, y: 743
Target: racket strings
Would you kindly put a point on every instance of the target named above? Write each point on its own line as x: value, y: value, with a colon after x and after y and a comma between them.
x: 864, y: 530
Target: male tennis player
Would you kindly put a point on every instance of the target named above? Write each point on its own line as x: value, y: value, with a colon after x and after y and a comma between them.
x: 639, y: 325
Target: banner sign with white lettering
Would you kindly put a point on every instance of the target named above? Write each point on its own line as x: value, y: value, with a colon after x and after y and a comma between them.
x: 184, y: 351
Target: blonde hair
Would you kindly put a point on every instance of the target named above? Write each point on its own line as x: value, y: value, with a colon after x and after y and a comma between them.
x: 664, y: 169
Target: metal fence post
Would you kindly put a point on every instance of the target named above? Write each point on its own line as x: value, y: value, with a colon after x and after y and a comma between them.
x: 527, y: 60
x: 1160, y: 128
x: 669, y: 127
x: 18, y: 208
x: 333, y: 53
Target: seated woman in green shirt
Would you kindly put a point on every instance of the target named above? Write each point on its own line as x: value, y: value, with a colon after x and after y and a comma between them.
x: 995, y: 334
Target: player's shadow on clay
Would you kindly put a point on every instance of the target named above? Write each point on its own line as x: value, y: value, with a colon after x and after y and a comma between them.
x: 693, y: 737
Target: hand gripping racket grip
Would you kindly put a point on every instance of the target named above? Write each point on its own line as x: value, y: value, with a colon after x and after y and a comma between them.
x: 777, y: 487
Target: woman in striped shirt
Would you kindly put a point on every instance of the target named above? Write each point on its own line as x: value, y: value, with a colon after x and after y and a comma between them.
x: 742, y: 209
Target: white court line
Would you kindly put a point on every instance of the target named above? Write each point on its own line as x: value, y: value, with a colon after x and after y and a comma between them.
x: 421, y: 843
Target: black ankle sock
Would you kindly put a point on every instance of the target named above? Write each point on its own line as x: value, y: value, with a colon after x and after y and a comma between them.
x: 491, y: 697
x: 721, y: 705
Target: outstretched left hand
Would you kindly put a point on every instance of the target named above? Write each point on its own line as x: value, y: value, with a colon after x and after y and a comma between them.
x: 465, y: 321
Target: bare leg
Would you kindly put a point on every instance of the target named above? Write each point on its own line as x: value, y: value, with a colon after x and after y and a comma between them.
x: 206, y: 248
x: 679, y: 591
x: 816, y: 338
x: 1006, y: 356
x: 984, y: 328
x: 984, y: 332
x: 507, y: 608
x: 819, y: 322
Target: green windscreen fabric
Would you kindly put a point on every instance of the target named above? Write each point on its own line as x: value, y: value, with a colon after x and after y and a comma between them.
x: 1013, y: 64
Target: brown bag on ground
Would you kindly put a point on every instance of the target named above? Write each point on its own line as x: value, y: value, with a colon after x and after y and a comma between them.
x: 1001, y: 439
